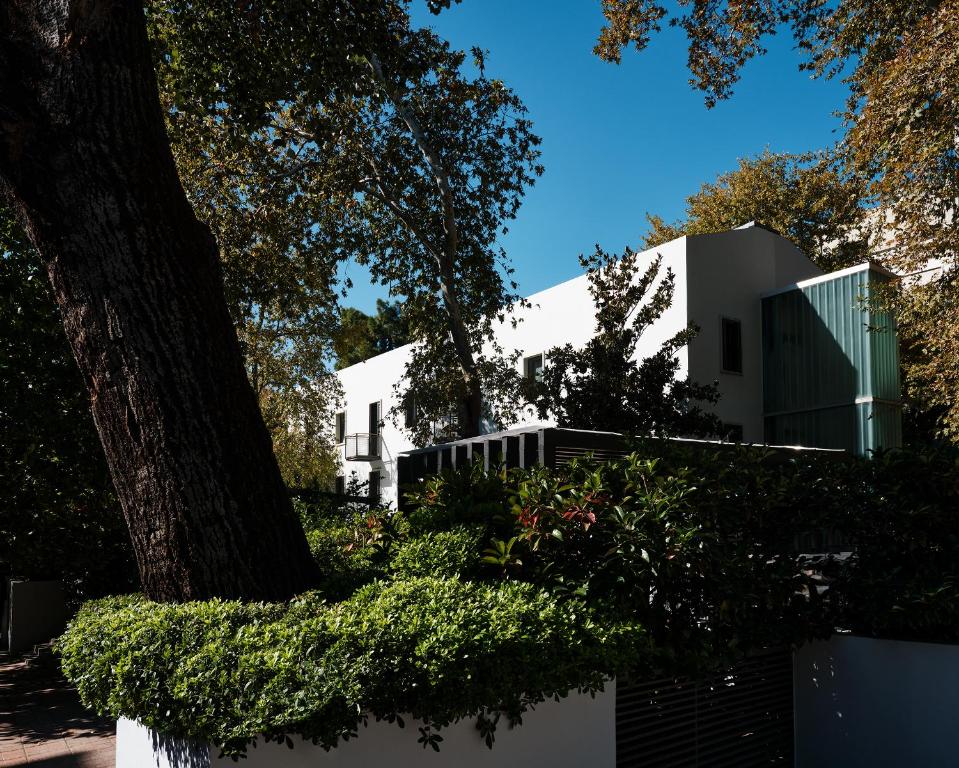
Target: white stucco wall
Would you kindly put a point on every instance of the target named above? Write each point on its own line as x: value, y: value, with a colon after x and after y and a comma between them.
x: 866, y: 702
x: 576, y: 731
x: 365, y: 383
x: 727, y: 274
x: 715, y: 275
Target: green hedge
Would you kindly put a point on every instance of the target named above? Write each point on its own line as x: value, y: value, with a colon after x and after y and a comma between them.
x: 499, y: 590
x: 440, y: 649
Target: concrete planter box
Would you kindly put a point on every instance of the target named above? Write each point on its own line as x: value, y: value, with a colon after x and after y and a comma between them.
x: 575, y: 731
x: 866, y: 702
x: 34, y: 612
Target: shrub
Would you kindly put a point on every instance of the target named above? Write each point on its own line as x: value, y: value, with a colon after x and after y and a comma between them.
x: 441, y: 649
x: 446, y: 554
x: 499, y: 590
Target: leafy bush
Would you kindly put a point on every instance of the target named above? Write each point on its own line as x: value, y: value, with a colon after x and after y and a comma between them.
x: 498, y: 590
x: 704, y: 546
x: 446, y: 554
x: 351, y: 551
x: 440, y: 649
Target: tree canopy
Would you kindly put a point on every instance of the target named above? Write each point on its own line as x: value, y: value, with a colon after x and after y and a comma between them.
x: 361, y: 336
x: 804, y: 198
x: 395, y: 151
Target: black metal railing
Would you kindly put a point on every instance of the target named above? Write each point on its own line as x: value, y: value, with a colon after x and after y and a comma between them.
x: 361, y: 446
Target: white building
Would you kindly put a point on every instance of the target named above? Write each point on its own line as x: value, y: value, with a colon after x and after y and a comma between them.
x: 719, y: 281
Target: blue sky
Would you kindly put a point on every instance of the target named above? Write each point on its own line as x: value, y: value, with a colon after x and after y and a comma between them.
x: 620, y: 141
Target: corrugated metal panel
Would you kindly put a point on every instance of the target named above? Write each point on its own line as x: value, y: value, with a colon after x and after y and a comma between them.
x: 883, y: 425
x: 824, y: 349
x: 816, y: 344
x: 741, y: 718
x: 837, y: 427
x: 884, y: 352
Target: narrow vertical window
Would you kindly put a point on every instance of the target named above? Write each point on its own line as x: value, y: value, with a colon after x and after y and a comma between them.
x: 533, y: 368
x: 374, y: 446
x: 409, y: 420
x: 340, y: 487
x: 374, y: 485
x: 732, y: 341
x: 340, y: 426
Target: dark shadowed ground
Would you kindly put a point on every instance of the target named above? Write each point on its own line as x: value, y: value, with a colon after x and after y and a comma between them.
x: 42, y: 723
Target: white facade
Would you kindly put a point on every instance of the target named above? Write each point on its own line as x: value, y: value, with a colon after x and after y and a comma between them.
x: 716, y: 276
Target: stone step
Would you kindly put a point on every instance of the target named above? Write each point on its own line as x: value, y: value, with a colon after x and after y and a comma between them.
x: 41, y: 656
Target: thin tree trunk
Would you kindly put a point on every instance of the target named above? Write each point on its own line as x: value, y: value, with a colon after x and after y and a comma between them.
x: 85, y: 161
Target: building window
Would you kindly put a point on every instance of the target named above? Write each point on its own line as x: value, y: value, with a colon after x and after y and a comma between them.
x: 374, y: 485
x: 409, y: 419
x: 533, y: 367
x: 375, y: 418
x: 340, y: 487
x: 340, y: 426
x: 732, y: 340
x: 733, y: 433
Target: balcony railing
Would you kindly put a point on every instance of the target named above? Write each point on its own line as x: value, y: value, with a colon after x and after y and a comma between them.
x: 362, y: 446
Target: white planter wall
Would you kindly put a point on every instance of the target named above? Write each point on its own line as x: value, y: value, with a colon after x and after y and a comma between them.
x: 866, y: 702
x: 579, y: 730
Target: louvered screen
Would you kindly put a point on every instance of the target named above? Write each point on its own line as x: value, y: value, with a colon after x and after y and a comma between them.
x: 565, y: 454
x: 743, y: 718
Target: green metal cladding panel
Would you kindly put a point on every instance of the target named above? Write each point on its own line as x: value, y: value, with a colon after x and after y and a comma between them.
x: 827, y: 359
x: 859, y: 428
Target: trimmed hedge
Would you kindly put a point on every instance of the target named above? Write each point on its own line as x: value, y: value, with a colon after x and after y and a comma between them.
x: 440, y: 649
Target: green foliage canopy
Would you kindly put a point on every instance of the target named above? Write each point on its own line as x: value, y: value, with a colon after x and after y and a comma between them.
x: 361, y: 336
x: 389, y: 151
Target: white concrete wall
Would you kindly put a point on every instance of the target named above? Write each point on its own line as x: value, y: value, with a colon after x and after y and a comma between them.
x: 365, y: 383
x: 727, y: 274
x: 866, y: 702
x: 576, y: 731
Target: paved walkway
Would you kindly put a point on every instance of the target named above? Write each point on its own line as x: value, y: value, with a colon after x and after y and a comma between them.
x: 43, y: 725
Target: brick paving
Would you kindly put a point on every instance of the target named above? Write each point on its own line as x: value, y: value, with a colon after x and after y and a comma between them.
x: 43, y: 725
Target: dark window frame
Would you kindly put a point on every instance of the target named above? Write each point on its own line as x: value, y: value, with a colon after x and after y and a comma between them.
x: 339, y: 427
x: 730, y: 356
x: 732, y: 433
x: 531, y: 375
x: 374, y: 483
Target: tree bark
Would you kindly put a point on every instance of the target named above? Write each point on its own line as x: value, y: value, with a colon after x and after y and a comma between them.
x: 85, y: 162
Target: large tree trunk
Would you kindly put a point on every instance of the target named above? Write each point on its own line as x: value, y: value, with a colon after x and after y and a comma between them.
x: 85, y: 161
